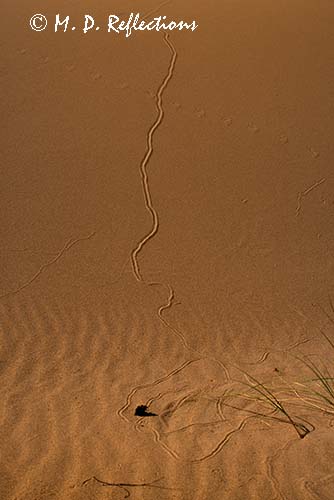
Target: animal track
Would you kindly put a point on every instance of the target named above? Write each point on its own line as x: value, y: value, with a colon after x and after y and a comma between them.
x: 314, y: 153
x: 67, y: 247
x: 253, y: 128
x: 200, y: 113
x: 196, y: 409
x: 144, y: 163
x: 228, y: 122
x: 283, y: 139
x: 126, y: 486
x: 304, y: 193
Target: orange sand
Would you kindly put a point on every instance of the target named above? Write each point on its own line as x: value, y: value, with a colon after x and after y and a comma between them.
x: 167, y: 225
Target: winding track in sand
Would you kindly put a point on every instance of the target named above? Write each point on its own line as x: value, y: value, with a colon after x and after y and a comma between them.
x: 145, y: 161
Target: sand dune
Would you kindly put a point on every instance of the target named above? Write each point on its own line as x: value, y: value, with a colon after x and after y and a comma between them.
x: 167, y: 209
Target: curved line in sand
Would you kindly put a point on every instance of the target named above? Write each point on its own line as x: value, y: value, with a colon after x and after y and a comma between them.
x: 67, y: 247
x: 144, y: 163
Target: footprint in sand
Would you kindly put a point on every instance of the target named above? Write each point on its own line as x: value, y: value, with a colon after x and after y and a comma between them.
x: 283, y: 139
x: 314, y: 153
x: 253, y: 128
x: 227, y: 122
x: 200, y: 113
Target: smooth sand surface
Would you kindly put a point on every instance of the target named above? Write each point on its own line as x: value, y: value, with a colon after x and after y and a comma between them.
x: 167, y: 240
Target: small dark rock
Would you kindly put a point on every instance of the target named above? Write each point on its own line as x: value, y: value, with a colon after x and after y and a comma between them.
x: 141, y: 411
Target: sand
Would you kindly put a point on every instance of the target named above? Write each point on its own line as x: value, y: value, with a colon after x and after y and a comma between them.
x: 167, y: 241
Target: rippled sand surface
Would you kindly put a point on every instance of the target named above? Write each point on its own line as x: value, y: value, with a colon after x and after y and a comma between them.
x: 166, y: 294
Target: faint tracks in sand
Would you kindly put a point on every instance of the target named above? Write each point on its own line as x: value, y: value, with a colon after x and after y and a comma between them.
x: 151, y: 384
x: 158, y: 7
x: 126, y: 486
x: 269, y: 463
x: 304, y: 193
x: 146, y: 159
x: 159, y: 437
x: 67, y: 247
x: 168, y: 305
